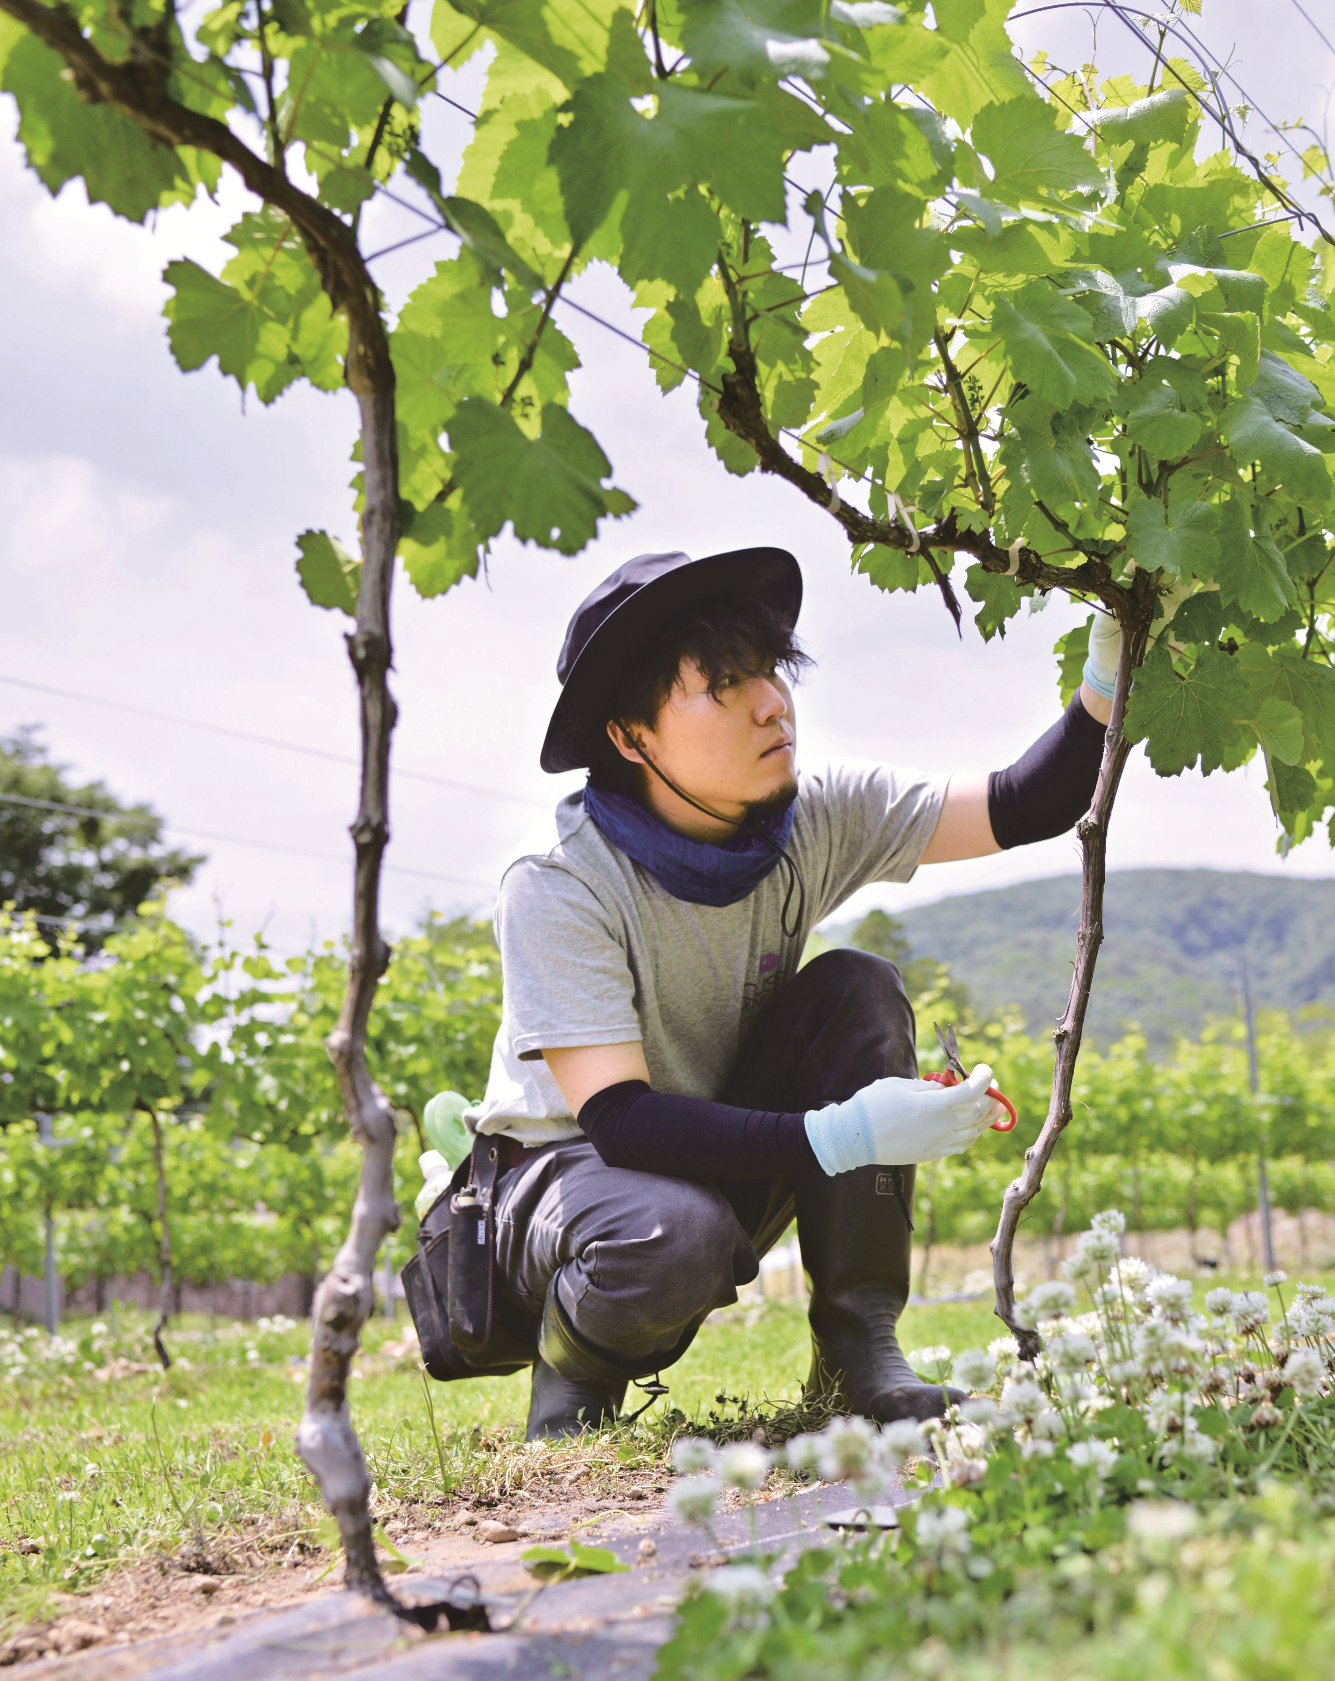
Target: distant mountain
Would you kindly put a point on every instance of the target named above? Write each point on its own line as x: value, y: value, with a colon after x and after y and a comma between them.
x: 1171, y: 953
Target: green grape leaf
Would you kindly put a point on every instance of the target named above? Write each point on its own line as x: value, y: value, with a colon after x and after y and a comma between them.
x: 329, y: 575
x: 1157, y: 422
x: 65, y: 137
x: 1254, y: 434
x: 1030, y: 155
x: 1055, y: 455
x: 609, y: 147
x: 1287, y: 394
x: 1038, y: 331
x: 438, y: 547
x: 549, y: 488
x: 1180, y: 538
x: 1304, y: 685
x: 210, y: 318
x: 1250, y: 570
x: 1199, y: 618
x: 965, y: 63
x: 895, y: 147
x: 1293, y: 791
x: 478, y: 230
x: 766, y: 40
x: 1279, y: 729
x: 1183, y: 720
x: 1072, y: 650
x: 1165, y: 115
x: 998, y: 599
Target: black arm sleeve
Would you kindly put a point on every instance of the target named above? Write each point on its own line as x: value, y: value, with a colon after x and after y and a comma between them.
x: 691, y: 1138
x: 1049, y: 789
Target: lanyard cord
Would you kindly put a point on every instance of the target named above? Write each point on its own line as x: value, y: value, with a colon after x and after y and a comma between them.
x: 794, y: 875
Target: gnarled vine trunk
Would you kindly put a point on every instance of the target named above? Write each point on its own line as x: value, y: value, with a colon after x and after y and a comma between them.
x: 344, y: 1301
x: 1093, y: 832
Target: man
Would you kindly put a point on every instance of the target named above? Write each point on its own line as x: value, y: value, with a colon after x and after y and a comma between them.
x: 670, y: 1089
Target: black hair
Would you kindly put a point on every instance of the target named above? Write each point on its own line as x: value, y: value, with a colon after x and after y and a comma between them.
x: 744, y: 637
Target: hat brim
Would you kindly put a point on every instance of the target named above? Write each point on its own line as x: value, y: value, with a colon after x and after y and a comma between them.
x: 769, y: 575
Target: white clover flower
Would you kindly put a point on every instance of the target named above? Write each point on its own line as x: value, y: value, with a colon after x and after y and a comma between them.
x: 66, y: 1496
x: 979, y: 1410
x: 1249, y: 1310
x: 1271, y: 1279
x: 1132, y: 1273
x: 1164, y: 1347
x: 945, y: 1529
x: 1100, y: 1248
x: 1035, y: 1448
x: 1079, y: 1268
x: 1308, y: 1292
x: 1169, y: 1410
x: 1305, y: 1372
x: 1309, y: 1319
x: 1071, y: 1352
x: 97, y: 1329
x: 1161, y: 1520
x: 803, y: 1454
x: 1111, y: 1220
x: 1047, y: 1301
x: 743, y: 1588
x: 933, y: 1363
x: 692, y: 1455
x: 252, y: 1355
x: 846, y: 1449
x: 1093, y: 1455
x: 1049, y: 1426
x: 1170, y: 1296
x: 1005, y: 1351
x: 743, y: 1465
x: 1023, y: 1397
x: 975, y: 1370
x: 1219, y: 1300
x: 694, y: 1498
x: 91, y: 1469
x: 901, y: 1441
x: 1191, y: 1444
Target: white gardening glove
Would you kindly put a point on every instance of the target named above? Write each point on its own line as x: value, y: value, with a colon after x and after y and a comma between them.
x: 1105, y: 646
x: 895, y: 1122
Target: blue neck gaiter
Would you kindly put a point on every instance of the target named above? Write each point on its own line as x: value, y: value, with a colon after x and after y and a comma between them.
x: 687, y: 869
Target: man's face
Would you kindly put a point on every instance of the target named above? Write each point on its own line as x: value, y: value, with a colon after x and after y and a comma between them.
x: 733, y: 752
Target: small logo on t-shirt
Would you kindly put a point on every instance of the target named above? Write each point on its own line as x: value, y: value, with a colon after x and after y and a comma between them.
x: 769, y: 961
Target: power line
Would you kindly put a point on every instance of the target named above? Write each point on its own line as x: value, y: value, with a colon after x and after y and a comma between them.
x: 265, y: 740
x: 239, y: 840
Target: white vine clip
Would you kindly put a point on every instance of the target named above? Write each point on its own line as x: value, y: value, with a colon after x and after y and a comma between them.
x: 903, y: 513
x: 1014, y: 553
x: 827, y: 473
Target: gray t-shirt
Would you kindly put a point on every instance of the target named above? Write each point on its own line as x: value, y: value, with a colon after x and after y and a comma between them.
x: 595, y: 952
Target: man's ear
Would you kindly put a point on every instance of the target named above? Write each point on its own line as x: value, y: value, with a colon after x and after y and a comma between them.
x: 622, y: 742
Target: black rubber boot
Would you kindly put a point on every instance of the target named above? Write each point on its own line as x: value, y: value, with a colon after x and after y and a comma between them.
x: 856, y: 1245
x: 575, y: 1388
x: 567, y: 1406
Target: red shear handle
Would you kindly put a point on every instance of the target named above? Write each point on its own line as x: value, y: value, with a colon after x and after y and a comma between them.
x: 948, y: 1077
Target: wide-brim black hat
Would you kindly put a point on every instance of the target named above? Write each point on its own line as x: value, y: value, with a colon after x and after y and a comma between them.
x: 611, y: 626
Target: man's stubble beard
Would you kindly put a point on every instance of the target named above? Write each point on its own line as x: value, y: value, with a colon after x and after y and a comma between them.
x: 772, y: 804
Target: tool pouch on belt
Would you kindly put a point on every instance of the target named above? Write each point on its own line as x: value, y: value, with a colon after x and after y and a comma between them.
x: 464, y: 1325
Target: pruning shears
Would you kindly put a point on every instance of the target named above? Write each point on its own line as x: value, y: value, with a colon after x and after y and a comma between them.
x: 955, y: 1072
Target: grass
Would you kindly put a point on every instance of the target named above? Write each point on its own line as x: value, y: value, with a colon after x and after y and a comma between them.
x: 106, y: 1460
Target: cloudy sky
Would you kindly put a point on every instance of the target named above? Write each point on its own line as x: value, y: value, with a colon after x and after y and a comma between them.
x: 146, y: 551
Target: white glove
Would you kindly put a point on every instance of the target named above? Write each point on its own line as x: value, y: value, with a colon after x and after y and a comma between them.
x: 1105, y: 646
x: 895, y: 1122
